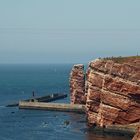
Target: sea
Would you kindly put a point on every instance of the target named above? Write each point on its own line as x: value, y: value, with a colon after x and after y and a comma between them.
x: 17, y: 81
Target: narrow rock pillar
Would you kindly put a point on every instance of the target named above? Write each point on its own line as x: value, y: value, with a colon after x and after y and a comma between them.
x: 77, y: 84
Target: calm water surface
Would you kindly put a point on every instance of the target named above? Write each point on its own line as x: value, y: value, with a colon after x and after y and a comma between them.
x: 17, y: 82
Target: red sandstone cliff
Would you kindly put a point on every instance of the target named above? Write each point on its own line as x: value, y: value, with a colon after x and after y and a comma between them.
x: 77, y: 84
x: 112, y: 90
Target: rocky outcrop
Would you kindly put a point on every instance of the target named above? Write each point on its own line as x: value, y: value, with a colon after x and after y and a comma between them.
x: 77, y: 85
x: 137, y: 135
x: 112, y: 90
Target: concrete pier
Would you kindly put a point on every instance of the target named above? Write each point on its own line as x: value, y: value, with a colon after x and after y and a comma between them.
x: 52, y: 106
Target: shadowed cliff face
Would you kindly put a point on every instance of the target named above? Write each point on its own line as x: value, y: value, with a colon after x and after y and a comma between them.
x: 112, y: 91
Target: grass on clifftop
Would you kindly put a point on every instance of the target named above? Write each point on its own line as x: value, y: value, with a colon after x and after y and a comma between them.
x: 122, y: 59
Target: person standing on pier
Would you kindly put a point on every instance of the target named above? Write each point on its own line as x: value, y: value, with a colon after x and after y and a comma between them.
x: 33, y: 94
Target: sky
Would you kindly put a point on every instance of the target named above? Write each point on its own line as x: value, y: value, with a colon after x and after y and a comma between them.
x: 68, y: 31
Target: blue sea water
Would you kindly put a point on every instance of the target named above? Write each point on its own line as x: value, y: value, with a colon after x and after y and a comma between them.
x: 17, y: 82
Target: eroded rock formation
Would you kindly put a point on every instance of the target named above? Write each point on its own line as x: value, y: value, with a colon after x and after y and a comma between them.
x: 112, y: 89
x: 77, y: 84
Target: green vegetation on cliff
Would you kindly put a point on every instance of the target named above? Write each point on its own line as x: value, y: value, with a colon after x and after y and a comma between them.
x: 122, y: 59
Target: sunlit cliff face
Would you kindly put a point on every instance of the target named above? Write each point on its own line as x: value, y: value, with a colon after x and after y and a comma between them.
x: 112, y: 91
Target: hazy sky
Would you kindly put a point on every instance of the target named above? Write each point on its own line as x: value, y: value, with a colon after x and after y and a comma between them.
x: 62, y: 31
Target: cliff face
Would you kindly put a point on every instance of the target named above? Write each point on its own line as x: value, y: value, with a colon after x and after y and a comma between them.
x: 77, y: 84
x: 112, y: 91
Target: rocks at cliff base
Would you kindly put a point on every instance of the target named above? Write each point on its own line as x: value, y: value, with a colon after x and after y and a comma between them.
x: 77, y: 85
x: 137, y: 135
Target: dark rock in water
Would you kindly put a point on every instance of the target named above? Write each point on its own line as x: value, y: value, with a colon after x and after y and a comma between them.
x: 12, y: 112
x: 45, y: 124
x: 66, y: 123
